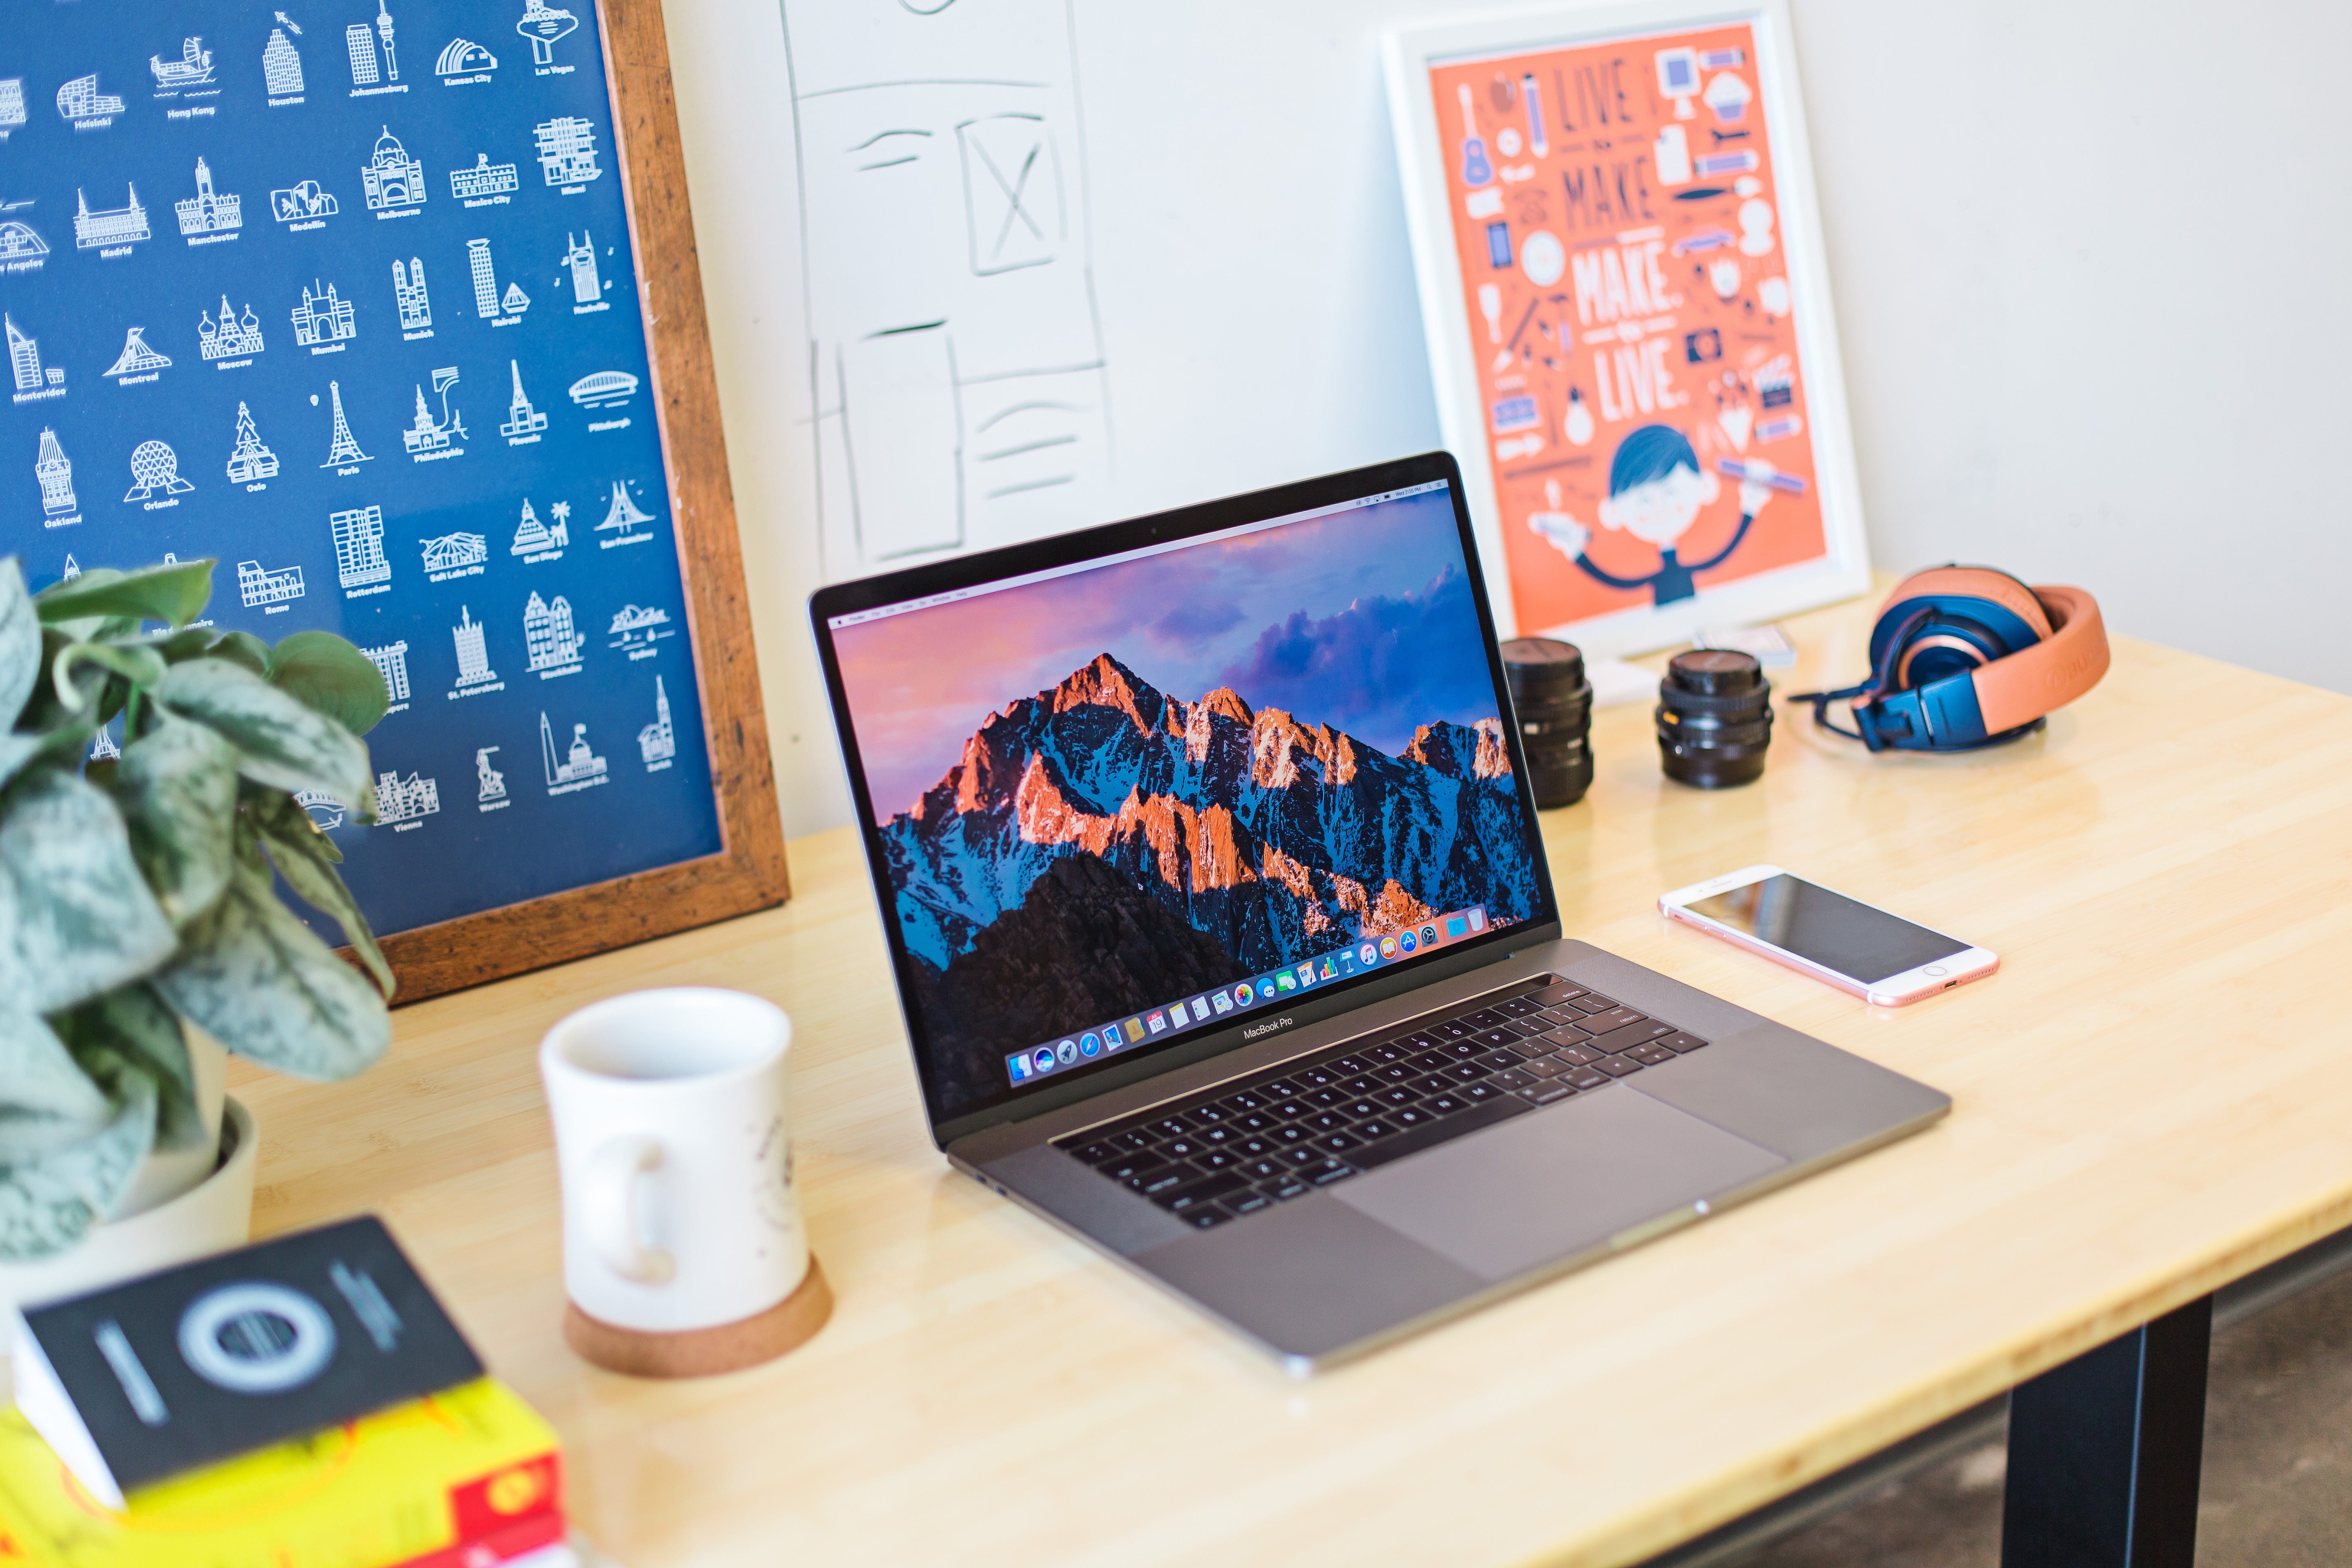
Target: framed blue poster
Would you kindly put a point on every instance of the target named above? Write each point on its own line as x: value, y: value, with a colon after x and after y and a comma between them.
x: 392, y: 306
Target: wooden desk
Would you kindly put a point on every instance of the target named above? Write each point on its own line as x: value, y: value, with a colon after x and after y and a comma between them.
x: 2153, y: 1097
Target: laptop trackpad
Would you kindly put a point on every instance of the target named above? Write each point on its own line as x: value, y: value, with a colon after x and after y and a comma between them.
x: 1542, y: 1187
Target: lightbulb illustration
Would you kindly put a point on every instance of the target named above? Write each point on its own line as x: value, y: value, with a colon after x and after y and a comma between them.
x: 1578, y: 423
x: 1490, y: 305
x: 1556, y: 528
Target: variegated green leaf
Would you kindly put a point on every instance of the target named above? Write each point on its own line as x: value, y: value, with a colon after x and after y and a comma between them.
x: 45, y: 1099
x: 16, y: 751
x: 177, y: 788
x: 256, y: 979
x: 20, y: 643
x: 85, y: 626
x: 66, y: 743
x: 135, y: 1030
x: 42, y: 710
x: 76, y: 917
x: 279, y: 742
x: 174, y: 593
x: 139, y: 666
x: 48, y: 1201
x: 306, y: 858
x: 331, y: 676
x: 189, y: 642
x: 245, y: 648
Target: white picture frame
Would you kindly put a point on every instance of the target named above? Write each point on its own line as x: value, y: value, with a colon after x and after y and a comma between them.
x: 1529, y: 590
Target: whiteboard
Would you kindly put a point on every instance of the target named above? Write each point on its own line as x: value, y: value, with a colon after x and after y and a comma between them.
x: 1045, y: 280
x: 959, y: 393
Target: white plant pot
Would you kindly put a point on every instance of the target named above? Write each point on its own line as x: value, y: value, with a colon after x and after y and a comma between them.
x: 212, y: 1216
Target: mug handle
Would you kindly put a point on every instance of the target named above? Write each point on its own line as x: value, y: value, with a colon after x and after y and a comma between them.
x: 609, y: 1214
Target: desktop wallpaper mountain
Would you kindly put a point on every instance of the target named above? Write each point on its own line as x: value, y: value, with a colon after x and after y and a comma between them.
x: 1106, y: 846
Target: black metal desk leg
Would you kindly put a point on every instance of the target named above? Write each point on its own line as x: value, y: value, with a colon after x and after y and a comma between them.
x: 2104, y: 1452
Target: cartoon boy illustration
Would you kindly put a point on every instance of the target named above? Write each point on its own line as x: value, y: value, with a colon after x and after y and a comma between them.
x: 1656, y: 491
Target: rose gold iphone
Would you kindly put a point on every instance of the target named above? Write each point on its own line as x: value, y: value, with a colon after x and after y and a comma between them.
x: 1885, y: 960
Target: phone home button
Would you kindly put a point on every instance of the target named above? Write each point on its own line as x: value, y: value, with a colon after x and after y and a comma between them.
x: 1936, y: 970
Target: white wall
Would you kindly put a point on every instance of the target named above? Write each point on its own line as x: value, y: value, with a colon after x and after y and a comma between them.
x: 2089, y: 259
x: 2094, y: 272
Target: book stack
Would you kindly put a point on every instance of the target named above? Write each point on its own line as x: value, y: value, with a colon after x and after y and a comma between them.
x: 302, y: 1404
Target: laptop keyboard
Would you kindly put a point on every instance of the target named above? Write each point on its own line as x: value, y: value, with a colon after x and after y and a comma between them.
x: 1244, y: 1146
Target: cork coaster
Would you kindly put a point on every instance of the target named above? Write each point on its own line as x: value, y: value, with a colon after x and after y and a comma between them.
x: 702, y: 1352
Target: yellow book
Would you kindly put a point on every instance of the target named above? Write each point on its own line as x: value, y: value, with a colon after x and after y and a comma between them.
x: 469, y: 1477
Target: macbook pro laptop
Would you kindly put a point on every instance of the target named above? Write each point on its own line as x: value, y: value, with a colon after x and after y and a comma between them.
x: 1225, y: 938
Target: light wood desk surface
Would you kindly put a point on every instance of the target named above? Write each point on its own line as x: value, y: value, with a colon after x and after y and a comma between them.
x: 2153, y: 1097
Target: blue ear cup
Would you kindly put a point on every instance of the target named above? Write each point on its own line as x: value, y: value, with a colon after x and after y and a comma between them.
x: 1924, y: 652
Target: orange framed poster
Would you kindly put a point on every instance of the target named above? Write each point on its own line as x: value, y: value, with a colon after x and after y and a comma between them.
x: 1627, y: 306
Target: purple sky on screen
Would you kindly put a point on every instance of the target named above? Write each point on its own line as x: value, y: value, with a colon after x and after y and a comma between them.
x: 1362, y: 620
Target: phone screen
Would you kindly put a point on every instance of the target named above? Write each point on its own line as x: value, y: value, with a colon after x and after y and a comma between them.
x: 1828, y: 929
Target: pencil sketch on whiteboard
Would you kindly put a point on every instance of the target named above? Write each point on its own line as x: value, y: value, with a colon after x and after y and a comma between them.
x: 957, y: 371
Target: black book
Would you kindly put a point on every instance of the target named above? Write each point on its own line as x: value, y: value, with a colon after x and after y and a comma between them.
x: 216, y: 1358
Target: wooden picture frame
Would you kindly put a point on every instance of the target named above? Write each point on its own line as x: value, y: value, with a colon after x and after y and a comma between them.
x: 749, y: 873
x: 1737, y: 360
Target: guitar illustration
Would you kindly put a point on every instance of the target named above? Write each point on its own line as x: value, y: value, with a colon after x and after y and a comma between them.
x: 1475, y: 170
x: 1532, y: 95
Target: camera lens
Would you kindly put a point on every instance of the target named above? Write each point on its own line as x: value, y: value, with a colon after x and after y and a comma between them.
x: 1552, y: 704
x: 1715, y: 717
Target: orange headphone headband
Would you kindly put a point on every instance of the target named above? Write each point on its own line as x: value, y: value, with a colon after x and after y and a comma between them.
x: 1967, y: 656
x: 2052, y: 672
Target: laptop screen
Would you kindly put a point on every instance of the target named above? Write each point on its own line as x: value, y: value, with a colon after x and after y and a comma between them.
x: 1127, y: 800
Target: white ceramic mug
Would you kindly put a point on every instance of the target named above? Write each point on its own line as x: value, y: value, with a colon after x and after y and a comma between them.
x: 673, y: 1137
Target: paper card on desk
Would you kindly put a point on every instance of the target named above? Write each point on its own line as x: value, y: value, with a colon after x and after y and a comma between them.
x: 1617, y: 682
x: 228, y: 1354
x: 1770, y: 645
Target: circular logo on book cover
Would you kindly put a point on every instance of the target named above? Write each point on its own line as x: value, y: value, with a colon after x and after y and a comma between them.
x: 257, y: 1337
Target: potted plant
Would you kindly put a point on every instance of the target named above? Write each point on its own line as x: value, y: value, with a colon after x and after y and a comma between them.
x: 139, y: 915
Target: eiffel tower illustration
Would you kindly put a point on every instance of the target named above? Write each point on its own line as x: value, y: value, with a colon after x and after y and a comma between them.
x: 345, y: 449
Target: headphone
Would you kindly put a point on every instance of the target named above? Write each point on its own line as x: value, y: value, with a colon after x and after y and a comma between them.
x: 1963, y: 656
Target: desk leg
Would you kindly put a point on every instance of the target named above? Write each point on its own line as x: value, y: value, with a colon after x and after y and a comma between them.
x: 2104, y: 1452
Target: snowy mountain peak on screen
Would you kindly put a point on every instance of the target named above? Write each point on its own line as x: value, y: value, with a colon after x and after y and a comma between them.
x: 1277, y: 836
